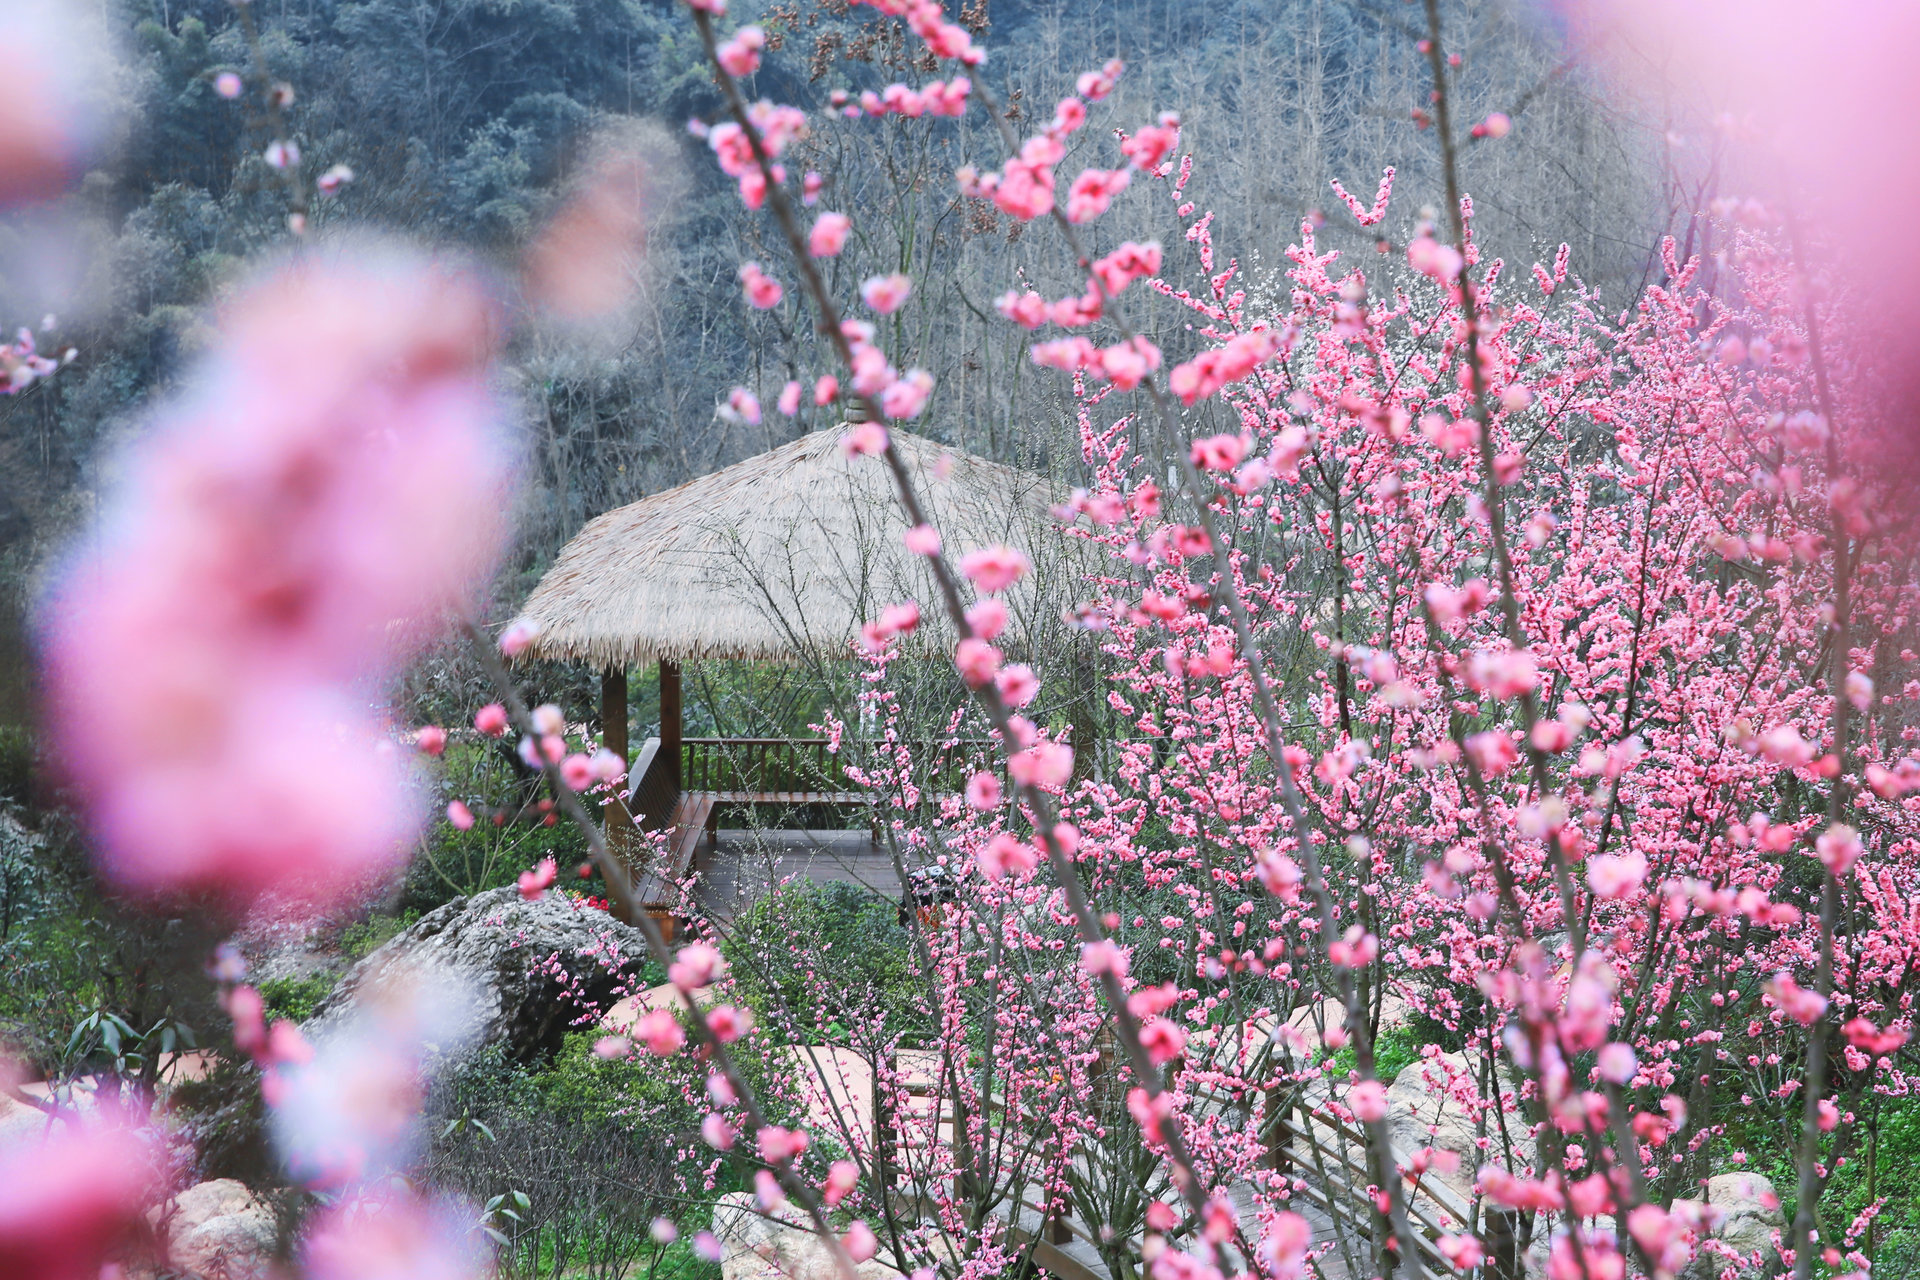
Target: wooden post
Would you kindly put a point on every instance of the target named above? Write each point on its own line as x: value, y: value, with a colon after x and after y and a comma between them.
x: 616, y: 819
x: 671, y: 719
x: 1502, y: 1236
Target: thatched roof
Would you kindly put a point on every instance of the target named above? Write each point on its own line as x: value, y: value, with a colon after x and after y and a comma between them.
x: 784, y: 553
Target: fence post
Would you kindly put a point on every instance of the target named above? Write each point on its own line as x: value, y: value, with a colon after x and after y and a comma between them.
x: 1503, y: 1245
x: 1279, y: 1135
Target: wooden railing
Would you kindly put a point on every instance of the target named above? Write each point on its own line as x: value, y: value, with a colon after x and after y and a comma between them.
x: 781, y: 765
x: 805, y: 764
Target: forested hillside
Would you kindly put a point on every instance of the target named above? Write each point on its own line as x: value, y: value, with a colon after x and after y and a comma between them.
x: 464, y: 120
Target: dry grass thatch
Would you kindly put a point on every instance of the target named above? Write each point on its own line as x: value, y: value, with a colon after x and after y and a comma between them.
x: 784, y: 553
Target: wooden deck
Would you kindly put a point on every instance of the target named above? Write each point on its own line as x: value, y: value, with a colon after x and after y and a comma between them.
x: 745, y: 863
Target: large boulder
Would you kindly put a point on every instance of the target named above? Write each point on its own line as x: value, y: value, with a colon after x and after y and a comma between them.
x: 780, y: 1245
x: 1746, y: 1213
x: 1428, y: 1105
x: 218, y: 1230
x: 523, y: 971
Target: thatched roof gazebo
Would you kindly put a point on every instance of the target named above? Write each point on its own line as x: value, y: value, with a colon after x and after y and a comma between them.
x: 777, y: 557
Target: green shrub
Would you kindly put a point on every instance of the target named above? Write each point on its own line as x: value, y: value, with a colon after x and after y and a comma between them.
x: 857, y: 961
x: 295, y: 999
x: 358, y: 941
x: 16, y: 763
x: 451, y: 863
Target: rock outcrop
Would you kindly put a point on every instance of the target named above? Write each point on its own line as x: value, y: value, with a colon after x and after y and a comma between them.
x: 218, y: 1231
x: 1748, y: 1212
x: 521, y: 970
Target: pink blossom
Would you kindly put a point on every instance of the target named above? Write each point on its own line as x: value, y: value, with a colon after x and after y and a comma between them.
x: 1863, y: 1035
x: 1068, y: 115
x: 994, y: 569
x: 1219, y: 453
x: 1208, y: 372
x: 1431, y: 258
x: 885, y: 293
x: 296, y: 527
x: 1094, y: 86
x: 1803, y: 1006
x: 1127, y: 364
x: 1596, y: 1258
x: 872, y: 373
x: 1279, y: 875
x: 1024, y: 189
x: 779, y: 1145
x: 864, y: 438
x: 1044, y: 764
x: 393, y: 1235
x: 1283, y: 1245
x: 69, y: 1198
x: 1839, y: 848
x: 742, y: 406
x: 1028, y: 310
x: 1005, y: 855
x: 430, y: 739
x: 699, y: 964
x: 607, y: 766
x: 977, y: 661
x: 228, y: 85
x: 1164, y: 1041
x: 948, y: 98
x: 1464, y: 1252
x: 1065, y: 354
x: 534, y: 883
x: 460, y: 816
x: 907, y: 397
x: 842, y: 1177
x: 1354, y: 949
x: 491, y: 720
x: 1104, y: 957
x: 716, y: 1132
x: 1147, y: 148
x: 1512, y: 1192
x: 1131, y: 261
x: 922, y: 540
x: 1492, y: 752
x: 1617, y: 1063
x: 829, y: 235
x: 740, y: 56
x: 860, y: 1242
x: 1368, y: 1101
x: 987, y: 618
x: 1093, y: 191
x: 520, y: 633
x: 661, y: 1032
x: 762, y: 290
x: 612, y: 1047
x: 728, y: 1023
x: 983, y: 791
x: 577, y: 772
x: 1616, y: 875
x: 1017, y: 684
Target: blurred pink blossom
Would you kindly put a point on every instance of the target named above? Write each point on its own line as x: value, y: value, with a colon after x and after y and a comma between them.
x: 284, y: 533
x: 395, y: 1236
x: 68, y: 1200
